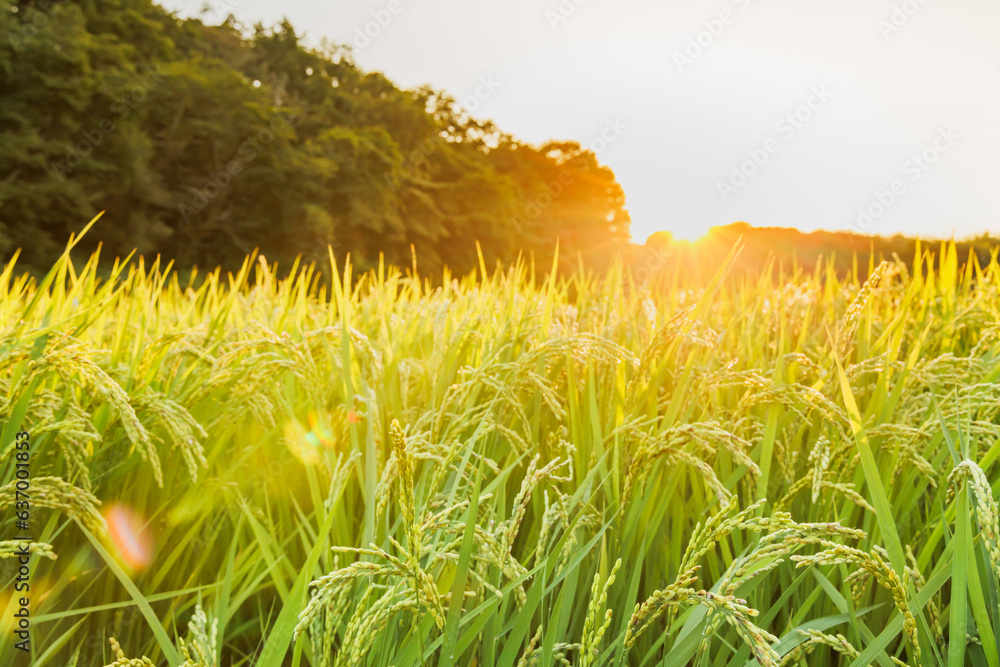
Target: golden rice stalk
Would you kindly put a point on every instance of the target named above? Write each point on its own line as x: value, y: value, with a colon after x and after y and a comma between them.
x: 802, y: 360
x: 383, y: 490
x: 323, y: 630
x: 660, y: 342
x: 122, y: 661
x: 14, y: 548
x: 203, y: 639
x: 405, y: 465
x: 180, y: 426
x: 590, y: 645
x: 532, y: 478
x: 767, y: 555
x: 70, y: 425
x: 116, y: 649
x: 559, y: 654
x: 423, y: 586
x: 421, y: 581
x: 771, y: 549
x: 706, y: 537
x: 650, y: 609
x: 671, y: 446
x: 819, y: 456
x: 189, y: 660
x: 555, y: 515
x: 908, y: 439
x: 57, y: 493
x: 857, y: 306
x: 873, y: 366
x: 733, y: 609
x: 933, y: 611
x: 339, y: 476
x: 529, y: 650
x: 368, y: 622
x: 358, y: 616
x: 331, y: 620
x: 847, y: 490
x: 987, y: 514
x: 71, y: 359
x: 874, y: 564
x: 838, y: 642
x: 328, y: 584
x: 132, y: 662
x: 175, y: 343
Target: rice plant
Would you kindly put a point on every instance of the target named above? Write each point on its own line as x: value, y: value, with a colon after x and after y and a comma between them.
x: 300, y: 466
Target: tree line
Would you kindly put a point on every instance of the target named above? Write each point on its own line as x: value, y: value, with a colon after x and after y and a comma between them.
x: 785, y: 250
x: 202, y: 142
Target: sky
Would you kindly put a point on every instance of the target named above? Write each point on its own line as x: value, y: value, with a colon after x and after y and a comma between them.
x: 872, y: 116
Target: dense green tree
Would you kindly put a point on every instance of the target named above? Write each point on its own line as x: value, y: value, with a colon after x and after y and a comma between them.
x: 204, y: 142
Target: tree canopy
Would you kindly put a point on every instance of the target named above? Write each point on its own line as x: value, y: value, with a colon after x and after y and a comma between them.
x: 202, y: 142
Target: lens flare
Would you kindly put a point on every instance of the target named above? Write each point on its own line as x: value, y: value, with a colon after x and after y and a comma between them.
x: 308, y: 443
x: 130, y: 536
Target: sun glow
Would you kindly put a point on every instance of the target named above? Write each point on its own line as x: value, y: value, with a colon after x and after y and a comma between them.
x: 679, y: 232
x: 690, y: 233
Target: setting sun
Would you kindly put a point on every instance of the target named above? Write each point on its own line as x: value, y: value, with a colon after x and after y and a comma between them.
x: 690, y: 233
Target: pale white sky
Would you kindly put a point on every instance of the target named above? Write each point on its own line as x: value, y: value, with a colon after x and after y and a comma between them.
x: 708, y: 139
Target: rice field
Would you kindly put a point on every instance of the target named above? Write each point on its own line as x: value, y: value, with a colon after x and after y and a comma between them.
x: 499, y: 470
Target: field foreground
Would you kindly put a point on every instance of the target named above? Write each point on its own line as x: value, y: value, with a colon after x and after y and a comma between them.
x: 795, y: 469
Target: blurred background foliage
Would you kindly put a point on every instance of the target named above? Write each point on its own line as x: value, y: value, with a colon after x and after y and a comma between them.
x: 205, y: 142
